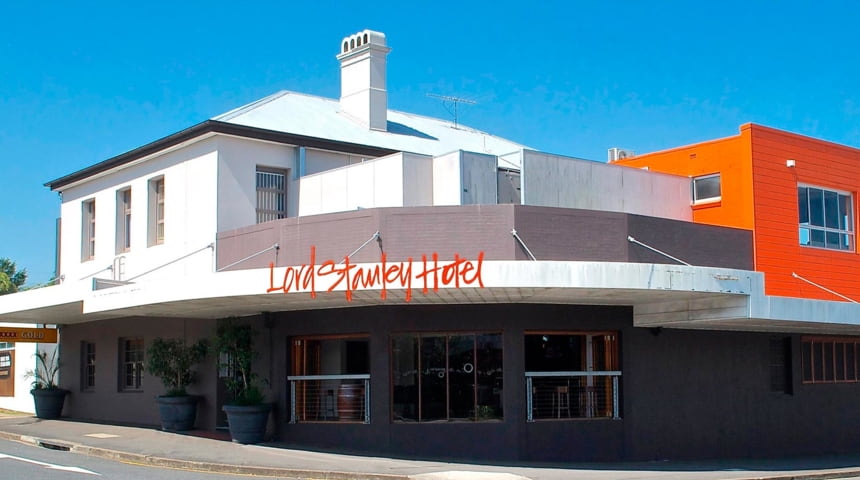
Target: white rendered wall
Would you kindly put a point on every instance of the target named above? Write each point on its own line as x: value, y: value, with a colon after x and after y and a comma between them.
x: 190, y: 216
x: 556, y: 181
x: 238, y: 159
x: 397, y: 180
x: 446, y: 179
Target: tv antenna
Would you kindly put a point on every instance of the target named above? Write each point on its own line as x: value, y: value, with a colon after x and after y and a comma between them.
x: 455, y: 101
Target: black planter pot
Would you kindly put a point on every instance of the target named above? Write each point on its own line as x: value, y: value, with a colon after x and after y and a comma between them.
x: 178, y: 413
x: 247, y: 422
x: 49, y: 402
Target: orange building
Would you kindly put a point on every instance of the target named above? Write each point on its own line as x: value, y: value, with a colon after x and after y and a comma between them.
x: 797, y: 194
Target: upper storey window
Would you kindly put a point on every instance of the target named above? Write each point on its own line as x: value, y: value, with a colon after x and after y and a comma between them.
x: 271, y: 194
x: 706, y: 188
x: 826, y: 218
x: 123, y: 220
x: 156, y: 212
x: 88, y: 230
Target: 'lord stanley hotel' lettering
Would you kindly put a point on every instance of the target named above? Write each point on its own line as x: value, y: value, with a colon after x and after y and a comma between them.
x: 427, y: 273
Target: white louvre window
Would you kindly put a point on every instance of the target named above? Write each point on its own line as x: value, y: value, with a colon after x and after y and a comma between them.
x: 826, y: 218
x: 706, y: 188
x: 271, y: 194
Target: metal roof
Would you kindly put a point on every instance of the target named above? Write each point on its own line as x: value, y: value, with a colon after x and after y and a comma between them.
x: 316, y: 122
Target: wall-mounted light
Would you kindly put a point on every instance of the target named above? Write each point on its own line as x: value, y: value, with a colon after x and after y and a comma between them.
x: 790, y: 163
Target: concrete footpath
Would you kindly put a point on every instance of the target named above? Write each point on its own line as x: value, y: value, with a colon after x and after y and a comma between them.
x: 192, y: 452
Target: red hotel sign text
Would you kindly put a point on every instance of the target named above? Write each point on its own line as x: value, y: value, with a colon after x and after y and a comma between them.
x: 428, y: 273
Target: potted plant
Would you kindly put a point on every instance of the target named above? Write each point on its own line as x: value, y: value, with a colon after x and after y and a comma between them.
x: 173, y: 361
x: 48, y: 397
x: 247, y: 412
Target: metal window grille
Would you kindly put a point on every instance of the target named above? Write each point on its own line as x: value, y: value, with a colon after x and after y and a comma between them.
x: 271, y: 195
x: 563, y: 395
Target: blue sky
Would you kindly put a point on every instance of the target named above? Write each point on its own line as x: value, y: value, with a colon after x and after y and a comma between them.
x: 81, y: 82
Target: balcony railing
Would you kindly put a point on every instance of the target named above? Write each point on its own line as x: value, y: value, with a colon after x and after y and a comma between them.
x: 563, y: 395
x: 330, y: 398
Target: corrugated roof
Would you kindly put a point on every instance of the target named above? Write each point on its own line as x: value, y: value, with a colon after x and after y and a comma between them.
x: 321, y: 117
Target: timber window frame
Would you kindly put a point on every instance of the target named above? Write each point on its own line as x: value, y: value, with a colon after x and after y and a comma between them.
x: 88, y: 366
x: 131, y: 357
x: 829, y: 359
x: 155, y: 212
x: 123, y: 220
x: 88, y: 230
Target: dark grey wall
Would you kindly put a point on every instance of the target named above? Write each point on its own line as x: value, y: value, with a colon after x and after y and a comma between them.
x: 550, y: 233
x: 685, y: 394
x: 106, y: 402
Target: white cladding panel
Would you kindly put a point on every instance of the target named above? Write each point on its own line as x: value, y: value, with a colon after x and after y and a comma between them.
x: 556, y: 181
x: 317, y: 161
x: 397, y: 180
x: 238, y: 160
x: 190, y: 219
x: 478, y: 179
x: 446, y: 179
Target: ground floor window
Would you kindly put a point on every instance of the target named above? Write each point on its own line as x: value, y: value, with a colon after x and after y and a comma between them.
x: 88, y: 366
x: 829, y: 359
x: 330, y: 379
x: 572, y: 375
x: 131, y: 364
x: 446, y: 377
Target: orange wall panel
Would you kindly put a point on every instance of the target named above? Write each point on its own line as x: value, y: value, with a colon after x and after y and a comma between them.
x: 727, y: 156
x: 777, y: 246
x: 759, y: 192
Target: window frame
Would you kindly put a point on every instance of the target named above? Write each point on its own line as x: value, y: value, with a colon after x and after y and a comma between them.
x: 480, y: 415
x: 706, y: 200
x: 88, y: 366
x: 808, y: 365
x: 123, y: 220
x: 849, y: 231
x: 88, y: 230
x: 268, y: 214
x: 156, y: 212
x: 135, y: 364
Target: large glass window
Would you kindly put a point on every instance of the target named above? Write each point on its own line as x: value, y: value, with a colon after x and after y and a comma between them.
x: 271, y: 194
x: 330, y: 379
x: 826, y: 218
x: 572, y: 375
x: 447, y: 377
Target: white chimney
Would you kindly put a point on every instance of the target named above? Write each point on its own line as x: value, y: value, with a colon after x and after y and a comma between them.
x: 362, y: 78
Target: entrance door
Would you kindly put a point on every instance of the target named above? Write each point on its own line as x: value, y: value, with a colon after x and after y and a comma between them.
x: 7, y: 372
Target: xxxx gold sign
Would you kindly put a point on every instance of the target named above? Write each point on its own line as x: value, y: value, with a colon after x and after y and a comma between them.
x: 33, y: 335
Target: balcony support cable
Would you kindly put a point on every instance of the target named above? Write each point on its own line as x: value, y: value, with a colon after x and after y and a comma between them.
x: 823, y: 288
x: 274, y: 247
x: 523, y: 244
x: 649, y: 247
